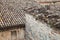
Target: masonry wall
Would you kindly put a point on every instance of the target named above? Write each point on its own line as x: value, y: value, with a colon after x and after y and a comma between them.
x: 17, y: 34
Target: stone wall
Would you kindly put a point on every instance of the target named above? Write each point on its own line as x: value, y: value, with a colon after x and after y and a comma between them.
x: 17, y: 34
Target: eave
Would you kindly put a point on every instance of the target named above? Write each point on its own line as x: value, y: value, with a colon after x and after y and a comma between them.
x: 7, y: 28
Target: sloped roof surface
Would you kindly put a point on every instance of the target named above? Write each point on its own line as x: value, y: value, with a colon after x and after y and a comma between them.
x: 10, y: 13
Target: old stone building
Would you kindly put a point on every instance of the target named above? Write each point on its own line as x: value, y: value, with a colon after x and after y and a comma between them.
x: 29, y: 19
x: 12, y: 21
x: 12, y: 24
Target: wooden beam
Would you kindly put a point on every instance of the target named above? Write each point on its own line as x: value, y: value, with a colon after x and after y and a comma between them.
x: 12, y: 27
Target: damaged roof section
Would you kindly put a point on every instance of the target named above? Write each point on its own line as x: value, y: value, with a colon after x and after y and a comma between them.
x: 47, y: 15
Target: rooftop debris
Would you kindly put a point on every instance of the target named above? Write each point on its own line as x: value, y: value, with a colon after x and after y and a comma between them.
x: 48, y: 16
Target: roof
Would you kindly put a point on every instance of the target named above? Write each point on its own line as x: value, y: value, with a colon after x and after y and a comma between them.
x: 10, y: 13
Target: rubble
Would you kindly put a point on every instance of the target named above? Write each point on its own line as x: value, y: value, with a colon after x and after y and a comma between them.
x: 48, y: 16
